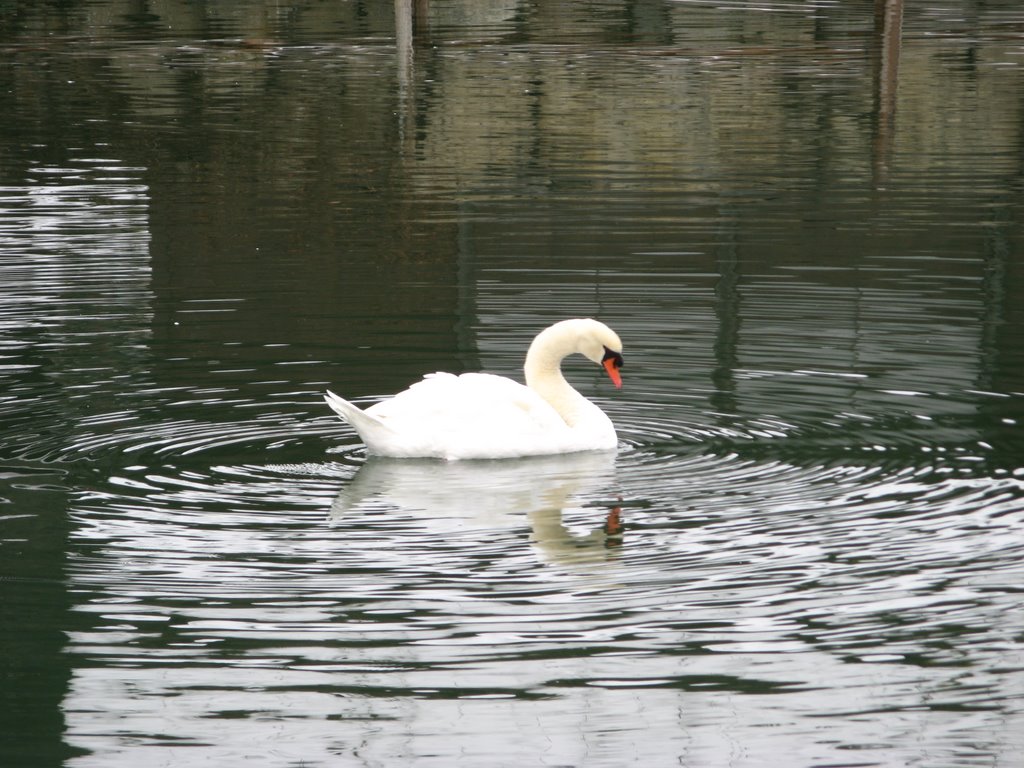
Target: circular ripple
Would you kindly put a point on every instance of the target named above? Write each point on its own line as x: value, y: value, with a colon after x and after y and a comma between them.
x: 823, y: 541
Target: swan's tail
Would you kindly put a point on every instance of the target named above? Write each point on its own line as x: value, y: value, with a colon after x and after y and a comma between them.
x: 367, y: 425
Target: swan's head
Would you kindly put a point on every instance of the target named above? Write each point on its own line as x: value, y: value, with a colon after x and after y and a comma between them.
x: 601, y: 344
x: 592, y: 339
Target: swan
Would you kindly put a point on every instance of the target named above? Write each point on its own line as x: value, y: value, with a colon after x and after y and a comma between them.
x: 483, y: 416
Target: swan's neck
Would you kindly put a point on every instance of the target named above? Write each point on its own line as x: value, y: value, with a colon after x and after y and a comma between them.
x: 543, y: 371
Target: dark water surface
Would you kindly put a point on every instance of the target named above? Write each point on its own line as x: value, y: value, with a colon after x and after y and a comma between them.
x: 806, y: 228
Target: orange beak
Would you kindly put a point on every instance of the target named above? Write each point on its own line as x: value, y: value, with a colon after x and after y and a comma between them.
x: 611, y: 365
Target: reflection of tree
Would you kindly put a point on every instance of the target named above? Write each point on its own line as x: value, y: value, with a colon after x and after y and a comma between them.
x: 36, y: 618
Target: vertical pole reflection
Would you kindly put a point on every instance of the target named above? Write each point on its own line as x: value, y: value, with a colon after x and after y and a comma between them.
x: 727, y: 311
x: 888, y: 33
x: 403, y: 43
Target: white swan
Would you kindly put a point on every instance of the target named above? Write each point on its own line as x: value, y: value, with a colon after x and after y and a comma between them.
x: 482, y: 416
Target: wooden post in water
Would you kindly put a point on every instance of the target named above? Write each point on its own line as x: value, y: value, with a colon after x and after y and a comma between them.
x: 888, y: 35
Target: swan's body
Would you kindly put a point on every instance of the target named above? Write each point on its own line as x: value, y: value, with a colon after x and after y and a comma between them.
x: 482, y: 416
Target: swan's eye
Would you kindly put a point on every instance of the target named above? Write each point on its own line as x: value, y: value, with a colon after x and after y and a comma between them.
x: 614, y: 357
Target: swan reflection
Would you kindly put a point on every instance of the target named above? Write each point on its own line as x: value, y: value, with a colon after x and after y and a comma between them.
x: 454, y: 496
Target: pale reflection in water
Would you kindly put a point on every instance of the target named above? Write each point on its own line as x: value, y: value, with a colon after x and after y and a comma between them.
x: 452, y: 496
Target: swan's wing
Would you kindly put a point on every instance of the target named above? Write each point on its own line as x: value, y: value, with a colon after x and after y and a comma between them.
x: 472, y: 402
x: 474, y: 415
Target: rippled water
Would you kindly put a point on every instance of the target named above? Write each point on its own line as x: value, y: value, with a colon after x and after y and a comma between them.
x: 820, y: 469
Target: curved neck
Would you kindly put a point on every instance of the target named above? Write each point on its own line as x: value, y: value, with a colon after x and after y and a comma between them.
x: 543, y: 370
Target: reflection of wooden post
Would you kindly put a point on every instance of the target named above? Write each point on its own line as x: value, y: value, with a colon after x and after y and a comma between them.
x: 889, y: 31
x: 727, y: 313
x: 889, y: 26
x: 404, y: 60
x: 420, y: 16
x: 403, y: 40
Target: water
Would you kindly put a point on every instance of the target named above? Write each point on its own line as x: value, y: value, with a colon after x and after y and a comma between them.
x: 210, y: 215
